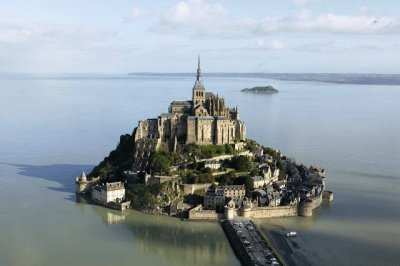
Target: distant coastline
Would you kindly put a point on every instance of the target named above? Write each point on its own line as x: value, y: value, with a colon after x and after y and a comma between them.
x: 330, y: 78
x: 334, y: 78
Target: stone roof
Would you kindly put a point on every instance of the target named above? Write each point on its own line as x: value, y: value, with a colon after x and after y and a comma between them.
x: 205, y: 117
x: 114, y: 186
x: 233, y: 187
x: 198, y: 85
x: 186, y: 103
x: 209, y: 94
x: 166, y: 115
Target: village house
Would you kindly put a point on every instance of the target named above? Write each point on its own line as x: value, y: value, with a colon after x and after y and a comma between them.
x: 214, y: 199
x: 212, y: 164
x: 258, y: 181
x: 109, y: 192
x: 235, y: 192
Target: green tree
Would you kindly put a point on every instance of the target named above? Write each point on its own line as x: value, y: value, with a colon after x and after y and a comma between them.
x: 160, y: 162
x: 242, y: 163
x: 271, y: 152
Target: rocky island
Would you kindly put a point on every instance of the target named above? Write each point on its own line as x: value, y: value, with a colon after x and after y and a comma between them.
x: 196, y: 162
x: 259, y: 89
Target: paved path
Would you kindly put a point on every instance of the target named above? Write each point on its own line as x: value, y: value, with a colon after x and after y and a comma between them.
x: 253, y: 242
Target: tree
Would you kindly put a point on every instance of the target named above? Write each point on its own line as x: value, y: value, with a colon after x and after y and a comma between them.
x: 160, y: 162
x: 242, y: 163
x: 247, y: 181
x: 271, y: 152
x: 120, y: 159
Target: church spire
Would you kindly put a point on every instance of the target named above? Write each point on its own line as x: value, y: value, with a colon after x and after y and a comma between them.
x: 198, y: 70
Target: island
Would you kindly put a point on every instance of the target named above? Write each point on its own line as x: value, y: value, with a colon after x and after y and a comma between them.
x: 259, y: 89
x: 196, y: 162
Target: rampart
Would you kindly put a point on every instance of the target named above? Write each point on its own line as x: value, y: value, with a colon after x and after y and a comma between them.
x: 304, y: 208
x: 191, y: 188
x: 198, y: 213
x: 270, y: 212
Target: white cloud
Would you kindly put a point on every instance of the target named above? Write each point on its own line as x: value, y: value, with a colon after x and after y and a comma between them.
x: 300, y: 2
x: 271, y: 45
x: 197, y: 17
x: 192, y: 15
x: 138, y: 13
x: 34, y: 32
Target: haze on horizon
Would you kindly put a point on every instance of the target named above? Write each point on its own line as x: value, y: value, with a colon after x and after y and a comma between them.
x: 285, y: 36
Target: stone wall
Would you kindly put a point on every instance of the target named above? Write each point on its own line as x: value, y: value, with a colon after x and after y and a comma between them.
x: 198, y: 213
x: 306, y: 207
x: 270, y: 212
x: 205, y: 215
x: 191, y: 188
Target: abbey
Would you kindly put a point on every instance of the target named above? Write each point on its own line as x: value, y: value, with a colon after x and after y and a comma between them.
x: 204, y: 120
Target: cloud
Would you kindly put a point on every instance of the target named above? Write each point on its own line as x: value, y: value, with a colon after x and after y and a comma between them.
x: 192, y: 15
x: 198, y: 18
x: 138, y: 13
x: 271, y: 45
x: 34, y: 32
x: 300, y: 2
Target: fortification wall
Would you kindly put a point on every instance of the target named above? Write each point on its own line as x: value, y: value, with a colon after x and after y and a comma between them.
x: 327, y: 196
x: 306, y: 208
x: 270, y: 212
x: 205, y: 215
x: 191, y: 188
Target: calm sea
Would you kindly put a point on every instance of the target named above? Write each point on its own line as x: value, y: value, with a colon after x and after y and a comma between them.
x: 52, y: 128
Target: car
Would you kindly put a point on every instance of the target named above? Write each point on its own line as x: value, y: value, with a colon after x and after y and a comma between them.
x: 239, y: 231
x: 242, y: 236
x: 291, y: 234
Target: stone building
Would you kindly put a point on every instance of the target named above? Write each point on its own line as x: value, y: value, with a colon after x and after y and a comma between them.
x: 84, y: 184
x: 212, y: 164
x: 214, y: 199
x: 235, y: 193
x: 206, y: 119
x: 109, y: 192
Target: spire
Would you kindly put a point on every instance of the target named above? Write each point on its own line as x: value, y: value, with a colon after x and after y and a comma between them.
x: 198, y: 85
x: 198, y: 69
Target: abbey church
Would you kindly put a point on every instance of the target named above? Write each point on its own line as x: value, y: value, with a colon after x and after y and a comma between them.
x: 204, y: 120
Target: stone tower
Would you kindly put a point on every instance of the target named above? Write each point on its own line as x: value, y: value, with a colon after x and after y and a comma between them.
x: 199, y: 93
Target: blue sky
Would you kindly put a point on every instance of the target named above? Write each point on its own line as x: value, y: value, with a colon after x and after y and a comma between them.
x: 118, y: 36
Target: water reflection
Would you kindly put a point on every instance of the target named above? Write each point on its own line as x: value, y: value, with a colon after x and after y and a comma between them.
x: 176, y: 242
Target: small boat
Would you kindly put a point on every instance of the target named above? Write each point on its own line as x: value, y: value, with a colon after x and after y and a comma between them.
x: 291, y: 234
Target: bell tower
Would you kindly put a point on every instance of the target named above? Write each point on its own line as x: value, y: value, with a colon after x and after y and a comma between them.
x: 199, y: 93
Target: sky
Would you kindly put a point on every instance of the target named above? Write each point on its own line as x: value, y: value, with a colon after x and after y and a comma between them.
x: 272, y: 36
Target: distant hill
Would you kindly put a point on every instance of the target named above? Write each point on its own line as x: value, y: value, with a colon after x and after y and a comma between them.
x: 266, y: 89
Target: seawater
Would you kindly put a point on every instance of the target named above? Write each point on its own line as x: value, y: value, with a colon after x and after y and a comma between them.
x: 51, y: 128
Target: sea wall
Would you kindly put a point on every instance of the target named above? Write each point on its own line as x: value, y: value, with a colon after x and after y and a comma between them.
x: 270, y: 212
x: 198, y: 213
x: 306, y: 207
x: 205, y: 215
x: 327, y: 196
